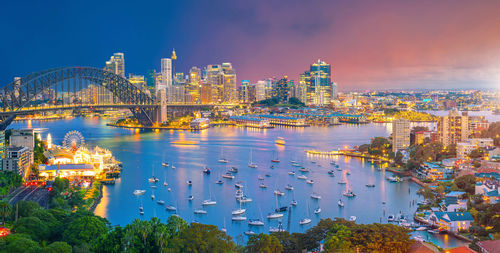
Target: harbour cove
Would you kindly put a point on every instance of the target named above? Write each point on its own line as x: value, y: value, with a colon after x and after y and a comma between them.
x: 189, y: 152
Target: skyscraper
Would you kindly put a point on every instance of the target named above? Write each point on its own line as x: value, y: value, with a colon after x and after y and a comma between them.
x: 194, y: 85
x: 116, y: 64
x: 214, y: 84
x: 166, y: 73
x: 229, y: 83
x: 260, y: 90
x: 244, y: 91
x: 282, y: 90
x: 453, y: 128
x: 318, y: 83
x: 400, y: 134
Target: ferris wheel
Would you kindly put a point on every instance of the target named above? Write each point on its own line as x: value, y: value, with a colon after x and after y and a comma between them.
x: 73, y: 140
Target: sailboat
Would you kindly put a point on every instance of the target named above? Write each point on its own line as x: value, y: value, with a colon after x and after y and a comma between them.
x: 275, y: 215
x: 251, y: 164
x: 153, y: 179
x: 275, y: 158
x: 306, y: 220
x: 317, y: 210
x: 340, y: 203
x: 153, y: 195
x: 165, y: 179
x: 224, y: 228
x: 294, y: 202
x: 139, y: 192
x: 289, y: 187
x: 256, y: 222
x: 315, y: 196
x: 222, y: 159
x: 171, y: 208
x: 209, y: 202
x: 239, y: 218
x: 239, y: 211
x: 200, y: 211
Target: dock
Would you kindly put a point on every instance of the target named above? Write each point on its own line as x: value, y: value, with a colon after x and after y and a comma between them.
x: 350, y: 153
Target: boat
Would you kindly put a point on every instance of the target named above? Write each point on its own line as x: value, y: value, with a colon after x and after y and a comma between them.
x: 239, y: 193
x: 433, y: 231
x: 340, y: 203
x: 305, y: 221
x: 153, y: 187
x: 233, y: 170
x: 219, y: 182
x: 249, y: 232
x: 173, y: 167
x: 281, y: 209
x: 274, y: 215
x: 342, y: 182
x: 274, y: 161
x: 208, y: 202
x: 423, y: 228
x: 244, y: 199
x: 294, y: 203
x: 206, y: 170
x: 310, y: 181
x: 153, y: 179
x: 370, y: 185
x: 280, y: 141
x: 349, y: 194
x: 239, y: 218
x: 419, y: 238
x: 348, y: 173
x: 394, y: 179
x: 224, y: 228
x: 296, y: 165
x: 139, y: 192
x: 228, y: 175
x: 238, y: 185
x: 141, y: 212
x: 165, y: 183
x: 262, y: 185
x: 275, y: 229
x: 141, y: 208
x: 331, y: 173
x: 333, y: 163
x: 239, y: 211
x: 255, y: 222
x: 250, y: 163
x: 268, y: 175
x: 152, y: 196
x: 164, y: 164
x: 171, y: 208
x: 303, y: 169
x: 390, y: 217
x: 260, y: 178
x: 352, y: 218
x: 317, y: 210
x: 222, y: 159
x: 160, y: 202
x: 191, y: 197
x: 278, y: 193
x: 303, y: 177
x: 289, y: 187
x: 291, y: 173
x: 200, y: 211
x: 315, y: 196
x: 313, y: 161
x: 189, y: 182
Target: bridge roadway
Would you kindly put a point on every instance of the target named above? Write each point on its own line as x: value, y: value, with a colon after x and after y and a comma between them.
x: 35, y: 109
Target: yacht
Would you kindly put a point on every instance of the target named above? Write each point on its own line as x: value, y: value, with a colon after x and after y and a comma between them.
x: 310, y: 181
x: 305, y: 221
x: 275, y: 158
x: 153, y: 186
x: 333, y: 163
x: 394, y: 179
x: 278, y: 193
x: 244, y: 199
x: 274, y: 215
x: 281, y: 209
x: 280, y: 141
x: 239, y: 211
x: 141, y: 208
x: 219, y: 182
x: 222, y: 159
x: 289, y: 187
x: 153, y: 179
x: 250, y: 163
x: 338, y: 168
x: 352, y: 218
x: 317, y: 210
x: 262, y: 185
x: 260, y: 177
x: 331, y: 173
x: 233, y: 170
x: 191, y: 197
x: 340, y: 203
x: 164, y: 164
x: 200, y: 211
x: 152, y: 196
x: 206, y: 170
x: 294, y: 203
x: 239, y: 193
x: 189, y: 182
x: 228, y: 175
x: 208, y: 202
x: 348, y: 173
x: 239, y: 218
x: 303, y: 177
x: 342, y: 182
x: 139, y: 192
x: 349, y: 194
x: 165, y: 183
x: 390, y: 217
x: 249, y: 232
x: 238, y: 185
x: 315, y: 196
x: 160, y: 202
x: 268, y: 175
x: 171, y: 208
x: 304, y: 169
x: 141, y: 212
x: 291, y: 173
x: 370, y: 185
x: 275, y: 229
x: 255, y: 222
x: 173, y: 167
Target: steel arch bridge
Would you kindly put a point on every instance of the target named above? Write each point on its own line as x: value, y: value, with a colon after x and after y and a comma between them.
x: 21, y: 92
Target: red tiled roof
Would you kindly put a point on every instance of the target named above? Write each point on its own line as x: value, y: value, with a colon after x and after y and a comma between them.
x: 489, y: 246
x: 463, y: 249
x: 422, y: 247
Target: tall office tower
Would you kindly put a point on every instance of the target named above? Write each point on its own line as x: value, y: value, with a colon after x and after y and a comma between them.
x: 244, y: 91
x: 453, y: 128
x: 116, y: 64
x: 318, y: 83
x: 251, y: 93
x: 269, y: 88
x: 301, y: 89
x: 151, y: 80
x: 260, y: 90
x: 194, y: 85
x: 400, y: 134
x: 291, y: 88
x: 215, y: 83
x: 229, y: 87
x: 282, y: 90
x: 166, y: 74
x: 138, y: 81
x: 334, y: 91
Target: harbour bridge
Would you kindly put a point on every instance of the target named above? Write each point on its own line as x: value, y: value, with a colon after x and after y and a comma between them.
x: 68, y: 86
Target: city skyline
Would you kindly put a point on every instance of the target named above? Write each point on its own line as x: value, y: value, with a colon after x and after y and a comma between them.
x: 372, y: 46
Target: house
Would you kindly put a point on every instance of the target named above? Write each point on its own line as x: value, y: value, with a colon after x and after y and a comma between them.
x: 489, y: 190
x: 491, y: 246
x: 454, y: 203
x: 451, y: 221
x: 462, y: 249
x: 433, y: 171
x: 422, y: 247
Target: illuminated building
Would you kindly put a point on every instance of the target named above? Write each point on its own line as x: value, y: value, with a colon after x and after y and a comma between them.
x: 229, y: 83
x: 260, y: 90
x: 282, y: 90
x: 200, y: 123
x: 248, y: 121
x: 244, y: 91
x: 166, y: 74
x: 214, y: 84
x: 194, y: 85
x: 400, y: 134
x: 269, y: 84
x: 318, y: 84
x: 17, y: 159
x: 115, y: 65
x: 453, y: 128
x: 151, y: 80
x: 138, y: 81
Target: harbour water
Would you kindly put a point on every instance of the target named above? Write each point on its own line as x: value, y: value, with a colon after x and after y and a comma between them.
x: 142, y: 153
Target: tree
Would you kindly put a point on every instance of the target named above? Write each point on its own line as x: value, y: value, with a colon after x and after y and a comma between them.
x: 476, y: 153
x: 26, y: 208
x: 398, y: 159
x: 338, y: 239
x: 22, y: 245
x: 84, y: 229
x: 34, y: 227
x: 466, y: 183
x: 263, y: 243
x: 202, y: 238
x: 58, y: 247
x: 5, y: 210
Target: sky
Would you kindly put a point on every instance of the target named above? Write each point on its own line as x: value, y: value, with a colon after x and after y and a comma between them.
x: 377, y: 44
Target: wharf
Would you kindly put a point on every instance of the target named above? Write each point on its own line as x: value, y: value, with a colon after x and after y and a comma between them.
x: 351, y: 154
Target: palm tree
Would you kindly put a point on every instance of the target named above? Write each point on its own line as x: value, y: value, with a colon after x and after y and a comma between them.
x: 5, y: 210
